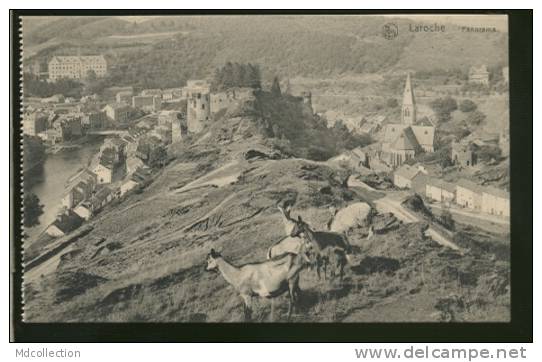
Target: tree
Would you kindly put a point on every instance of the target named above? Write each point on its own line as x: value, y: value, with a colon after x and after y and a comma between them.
x: 475, y: 118
x: 467, y: 106
x: 91, y: 75
x: 32, y: 209
x: 392, y: 103
x: 447, y: 220
x: 34, y: 151
x: 443, y: 107
x: 275, y: 88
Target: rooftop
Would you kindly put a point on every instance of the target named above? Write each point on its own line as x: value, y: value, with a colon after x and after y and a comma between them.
x: 407, y: 171
x: 436, y: 182
x: 469, y: 185
x: 497, y: 192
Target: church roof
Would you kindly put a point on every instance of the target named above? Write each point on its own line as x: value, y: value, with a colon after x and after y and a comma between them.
x: 425, y: 135
x: 392, y: 131
x: 406, y: 141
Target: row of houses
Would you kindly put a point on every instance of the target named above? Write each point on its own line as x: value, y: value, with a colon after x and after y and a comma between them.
x: 464, y: 193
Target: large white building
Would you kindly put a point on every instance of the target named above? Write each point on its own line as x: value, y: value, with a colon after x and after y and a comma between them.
x: 76, y: 67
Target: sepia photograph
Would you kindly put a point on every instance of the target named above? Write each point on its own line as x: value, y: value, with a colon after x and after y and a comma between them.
x: 265, y: 168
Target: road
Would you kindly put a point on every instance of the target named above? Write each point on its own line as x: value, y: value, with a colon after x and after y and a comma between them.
x: 45, y: 268
x: 391, y: 203
x: 481, y: 216
x: 388, y: 204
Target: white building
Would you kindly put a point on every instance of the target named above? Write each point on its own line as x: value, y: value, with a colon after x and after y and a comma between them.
x: 76, y: 67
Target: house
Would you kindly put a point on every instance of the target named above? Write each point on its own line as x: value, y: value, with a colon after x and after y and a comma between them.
x: 79, y: 188
x: 403, y: 176
x: 69, y: 126
x: 117, y: 144
x: 152, y: 92
x: 111, y: 166
x: 94, y: 121
x: 496, y: 202
x: 127, y: 185
x: 165, y: 118
x: 76, y: 194
x: 163, y: 133
x: 149, y: 103
x: 468, y: 194
x: 64, y: 224
x: 405, y: 140
x: 76, y: 67
x: 172, y: 93
x: 132, y: 164
x: 479, y: 75
x: 463, y: 154
x: 124, y: 96
x: 439, y: 190
x: 96, y: 203
x: 118, y: 112
x: 34, y: 123
x: 57, y: 98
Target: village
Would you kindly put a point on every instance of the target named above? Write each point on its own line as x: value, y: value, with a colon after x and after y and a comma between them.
x: 138, y: 129
x: 140, y: 126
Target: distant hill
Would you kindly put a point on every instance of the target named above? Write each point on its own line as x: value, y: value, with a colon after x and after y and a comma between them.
x: 171, y: 49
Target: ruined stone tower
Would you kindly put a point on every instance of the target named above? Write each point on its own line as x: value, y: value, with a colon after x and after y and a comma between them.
x: 198, y: 111
x: 408, y: 110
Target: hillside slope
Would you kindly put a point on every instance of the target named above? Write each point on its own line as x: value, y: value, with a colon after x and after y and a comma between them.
x: 144, y: 259
x: 190, y: 47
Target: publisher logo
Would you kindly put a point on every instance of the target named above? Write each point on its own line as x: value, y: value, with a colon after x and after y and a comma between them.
x: 390, y: 31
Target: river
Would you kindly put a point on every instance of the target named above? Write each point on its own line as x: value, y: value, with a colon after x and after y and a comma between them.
x: 49, y: 180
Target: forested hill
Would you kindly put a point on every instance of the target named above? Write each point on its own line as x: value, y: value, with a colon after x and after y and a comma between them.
x: 172, y: 49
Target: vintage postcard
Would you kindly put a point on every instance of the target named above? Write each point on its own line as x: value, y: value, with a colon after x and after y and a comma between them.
x: 266, y: 168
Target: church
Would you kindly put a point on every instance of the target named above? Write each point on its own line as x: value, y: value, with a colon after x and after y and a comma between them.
x: 407, y: 139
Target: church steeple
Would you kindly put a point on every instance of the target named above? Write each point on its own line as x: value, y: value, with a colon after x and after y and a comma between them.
x: 408, y: 110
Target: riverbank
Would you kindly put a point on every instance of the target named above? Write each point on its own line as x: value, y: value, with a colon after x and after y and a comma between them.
x: 48, y: 181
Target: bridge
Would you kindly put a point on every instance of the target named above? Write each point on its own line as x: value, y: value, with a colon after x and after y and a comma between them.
x: 111, y: 132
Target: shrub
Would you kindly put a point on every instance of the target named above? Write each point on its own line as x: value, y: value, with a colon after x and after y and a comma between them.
x: 446, y: 219
x: 467, y: 106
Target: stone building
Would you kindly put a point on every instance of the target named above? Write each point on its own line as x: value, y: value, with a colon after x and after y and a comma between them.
x: 496, y: 202
x: 76, y: 67
x: 151, y: 103
x: 118, y: 112
x: 439, y: 190
x: 223, y: 100
x: 479, y: 75
x: 34, y: 123
x: 463, y: 154
x: 469, y: 194
x: 198, y: 111
x: 405, y: 140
